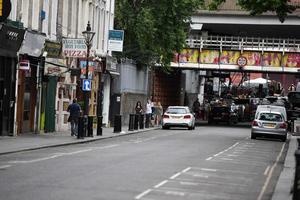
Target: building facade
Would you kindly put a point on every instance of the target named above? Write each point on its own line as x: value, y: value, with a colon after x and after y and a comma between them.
x: 46, y: 86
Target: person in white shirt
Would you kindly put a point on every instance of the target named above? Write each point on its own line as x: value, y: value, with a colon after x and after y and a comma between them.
x: 149, y: 107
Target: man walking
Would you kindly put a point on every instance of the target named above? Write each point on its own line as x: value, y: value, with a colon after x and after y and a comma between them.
x: 74, y: 110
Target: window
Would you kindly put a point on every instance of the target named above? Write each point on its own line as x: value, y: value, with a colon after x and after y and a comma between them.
x: 270, y: 117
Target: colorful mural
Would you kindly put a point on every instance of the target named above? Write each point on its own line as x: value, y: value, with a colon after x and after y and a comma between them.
x: 271, y: 59
x: 253, y: 58
x: 209, y: 57
x: 189, y: 56
x: 229, y: 57
x: 291, y: 60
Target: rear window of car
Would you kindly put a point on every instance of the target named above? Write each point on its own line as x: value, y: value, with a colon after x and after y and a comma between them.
x: 177, y: 111
x: 270, y: 117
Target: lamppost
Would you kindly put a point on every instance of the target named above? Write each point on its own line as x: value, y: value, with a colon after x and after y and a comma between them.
x: 88, y: 36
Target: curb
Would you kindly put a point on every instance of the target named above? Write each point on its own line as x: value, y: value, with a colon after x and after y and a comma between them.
x: 286, y: 178
x: 80, y: 141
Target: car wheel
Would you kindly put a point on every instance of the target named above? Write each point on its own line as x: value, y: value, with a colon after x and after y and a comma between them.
x: 165, y: 127
x: 283, y: 138
x: 253, y: 136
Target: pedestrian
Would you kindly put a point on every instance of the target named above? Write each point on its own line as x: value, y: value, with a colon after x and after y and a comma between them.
x: 196, y: 108
x: 159, y: 113
x: 138, y: 108
x: 292, y: 88
x: 149, y: 110
x: 74, y: 110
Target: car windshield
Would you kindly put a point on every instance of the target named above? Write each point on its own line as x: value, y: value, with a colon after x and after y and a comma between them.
x: 270, y: 117
x: 177, y: 111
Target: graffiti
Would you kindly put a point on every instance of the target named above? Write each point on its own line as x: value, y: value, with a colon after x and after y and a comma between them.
x: 253, y: 58
x: 209, y: 57
x: 229, y: 57
x: 271, y: 59
x: 291, y: 60
x: 189, y: 56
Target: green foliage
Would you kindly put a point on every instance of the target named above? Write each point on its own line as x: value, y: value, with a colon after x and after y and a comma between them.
x: 281, y: 7
x: 154, y: 30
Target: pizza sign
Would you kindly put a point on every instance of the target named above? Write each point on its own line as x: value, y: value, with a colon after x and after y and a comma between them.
x: 242, y: 61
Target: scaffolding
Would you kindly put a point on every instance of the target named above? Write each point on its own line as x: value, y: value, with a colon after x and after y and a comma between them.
x: 244, y: 43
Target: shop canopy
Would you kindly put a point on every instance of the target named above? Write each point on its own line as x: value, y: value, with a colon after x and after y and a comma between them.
x: 256, y: 82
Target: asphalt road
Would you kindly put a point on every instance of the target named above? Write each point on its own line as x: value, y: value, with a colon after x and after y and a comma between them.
x: 206, y: 163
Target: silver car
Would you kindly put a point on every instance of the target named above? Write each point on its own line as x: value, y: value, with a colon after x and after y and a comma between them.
x: 270, y: 121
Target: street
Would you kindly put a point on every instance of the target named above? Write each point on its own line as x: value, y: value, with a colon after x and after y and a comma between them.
x: 210, y: 162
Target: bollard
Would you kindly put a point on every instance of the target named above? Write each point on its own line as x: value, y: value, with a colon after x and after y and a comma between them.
x: 136, y: 122
x: 99, y: 125
x: 141, y: 121
x: 131, y: 122
x: 90, y: 126
x: 80, y: 128
x: 118, y: 124
x: 147, y: 122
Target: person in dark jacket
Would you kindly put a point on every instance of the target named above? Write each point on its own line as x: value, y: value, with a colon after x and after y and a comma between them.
x: 138, y: 108
x: 74, y: 110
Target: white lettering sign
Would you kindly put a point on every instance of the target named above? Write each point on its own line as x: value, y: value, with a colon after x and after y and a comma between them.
x: 75, y: 48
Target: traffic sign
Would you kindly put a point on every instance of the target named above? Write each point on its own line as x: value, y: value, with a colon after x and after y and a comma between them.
x: 242, y: 61
x: 86, y: 85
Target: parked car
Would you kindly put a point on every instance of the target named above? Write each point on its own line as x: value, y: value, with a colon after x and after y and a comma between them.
x: 222, y: 114
x: 178, y: 116
x: 270, y: 121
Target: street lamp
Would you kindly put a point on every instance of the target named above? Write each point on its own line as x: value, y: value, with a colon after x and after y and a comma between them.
x: 88, y: 36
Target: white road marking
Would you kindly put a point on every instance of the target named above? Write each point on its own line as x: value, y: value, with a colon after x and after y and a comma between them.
x: 232, y: 155
x: 201, y: 175
x: 143, y: 194
x: 188, y: 183
x: 226, y: 159
x: 175, y: 175
x: 175, y: 193
x: 186, y: 169
x: 209, y: 158
x: 4, y: 166
x: 267, y: 170
x: 207, y: 169
x: 263, y: 190
x: 161, y: 184
x: 57, y: 155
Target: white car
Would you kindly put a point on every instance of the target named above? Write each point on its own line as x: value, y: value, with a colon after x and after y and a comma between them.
x: 178, y: 116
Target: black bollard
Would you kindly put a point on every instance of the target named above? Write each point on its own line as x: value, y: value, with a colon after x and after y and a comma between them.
x: 136, y: 122
x: 80, y: 128
x: 90, y: 126
x: 118, y: 124
x: 147, y: 122
x: 141, y: 121
x: 296, y: 193
x: 131, y: 122
x: 99, y: 125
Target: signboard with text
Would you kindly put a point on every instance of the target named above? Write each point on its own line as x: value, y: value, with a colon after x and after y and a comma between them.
x: 115, y: 40
x: 75, y: 47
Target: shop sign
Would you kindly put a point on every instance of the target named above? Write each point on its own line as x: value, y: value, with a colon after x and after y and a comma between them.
x: 53, y: 67
x: 242, y: 61
x: 111, y: 64
x: 115, y: 40
x: 5, y: 8
x: 75, y: 48
x: 33, y: 44
x: 91, y: 68
x: 53, y: 49
x: 11, y: 39
x: 24, y: 65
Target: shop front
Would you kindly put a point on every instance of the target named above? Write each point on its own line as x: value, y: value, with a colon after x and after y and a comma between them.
x: 29, y: 76
x: 11, y: 39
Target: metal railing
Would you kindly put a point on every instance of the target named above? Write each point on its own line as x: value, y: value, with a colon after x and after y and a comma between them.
x: 244, y: 43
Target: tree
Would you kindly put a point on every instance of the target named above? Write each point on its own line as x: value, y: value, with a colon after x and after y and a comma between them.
x: 155, y: 29
x: 256, y: 7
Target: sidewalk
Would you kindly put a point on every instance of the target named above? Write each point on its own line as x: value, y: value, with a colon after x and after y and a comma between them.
x: 28, y: 142
x: 286, y: 179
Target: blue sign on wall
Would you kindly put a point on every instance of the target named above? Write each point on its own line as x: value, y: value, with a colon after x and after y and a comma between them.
x: 86, y: 85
